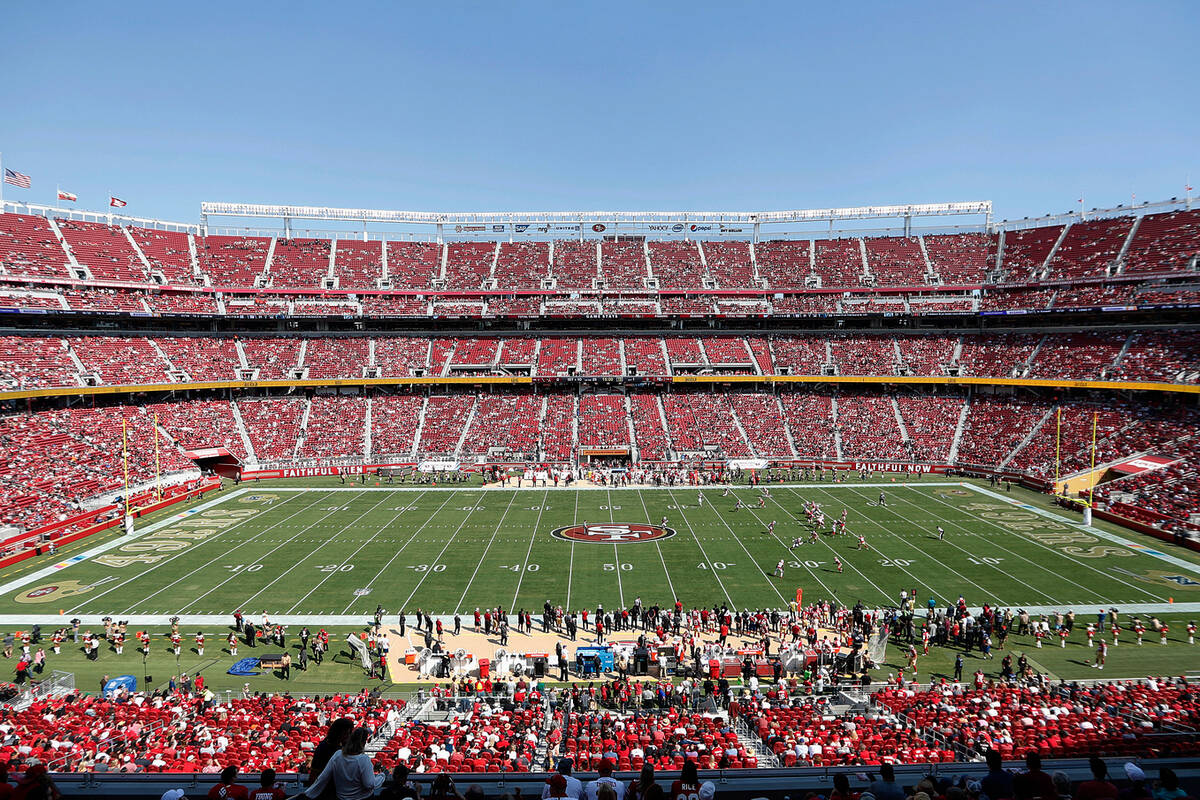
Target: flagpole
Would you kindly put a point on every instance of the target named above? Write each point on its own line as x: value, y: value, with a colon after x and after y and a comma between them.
x: 1, y: 183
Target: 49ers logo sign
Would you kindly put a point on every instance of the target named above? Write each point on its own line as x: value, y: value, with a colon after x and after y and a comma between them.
x: 613, y: 533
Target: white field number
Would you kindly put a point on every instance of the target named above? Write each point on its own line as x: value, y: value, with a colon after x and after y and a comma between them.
x: 613, y: 567
x: 519, y: 568
x: 243, y: 567
x: 895, y: 562
x: 715, y: 565
x: 335, y: 567
x: 984, y: 560
x: 427, y: 567
x: 808, y: 564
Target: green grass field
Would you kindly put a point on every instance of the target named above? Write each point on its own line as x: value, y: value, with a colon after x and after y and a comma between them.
x: 337, y: 552
x: 325, y: 554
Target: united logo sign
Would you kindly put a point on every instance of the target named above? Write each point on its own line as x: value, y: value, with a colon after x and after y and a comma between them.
x: 613, y: 533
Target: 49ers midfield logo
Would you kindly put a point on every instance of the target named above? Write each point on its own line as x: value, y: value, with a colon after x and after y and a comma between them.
x: 52, y: 592
x: 613, y: 533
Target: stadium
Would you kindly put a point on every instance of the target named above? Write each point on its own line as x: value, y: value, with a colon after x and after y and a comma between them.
x: 785, y: 497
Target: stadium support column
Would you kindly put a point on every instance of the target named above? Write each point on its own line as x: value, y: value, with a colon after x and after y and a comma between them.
x: 908, y: 225
x: 287, y: 227
x: 439, y: 233
x: 757, y: 231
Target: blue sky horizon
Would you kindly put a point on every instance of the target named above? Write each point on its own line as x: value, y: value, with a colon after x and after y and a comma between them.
x: 535, y: 106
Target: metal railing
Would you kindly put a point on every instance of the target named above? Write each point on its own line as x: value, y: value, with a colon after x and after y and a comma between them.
x: 753, y: 742
x: 59, y: 683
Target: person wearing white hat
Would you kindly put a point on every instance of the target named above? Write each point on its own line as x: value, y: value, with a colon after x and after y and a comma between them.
x: 1135, y: 773
x: 174, y: 794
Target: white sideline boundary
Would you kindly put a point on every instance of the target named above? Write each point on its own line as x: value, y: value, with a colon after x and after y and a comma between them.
x: 356, y: 619
x: 364, y: 619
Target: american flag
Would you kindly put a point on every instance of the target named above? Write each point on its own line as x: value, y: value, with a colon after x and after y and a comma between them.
x: 16, y: 178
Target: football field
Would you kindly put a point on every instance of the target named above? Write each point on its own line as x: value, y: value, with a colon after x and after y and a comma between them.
x: 338, y: 552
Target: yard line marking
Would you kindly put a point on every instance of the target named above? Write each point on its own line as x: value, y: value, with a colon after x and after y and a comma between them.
x: 903, y: 569
x: 346, y: 560
x: 886, y: 598
x: 1067, y: 523
x: 753, y: 562
x: 410, y: 540
x: 789, y: 552
x: 287, y: 571
x: 982, y: 591
x: 483, y: 557
x: 657, y: 547
x: 707, y: 560
x: 438, y: 557
x: 571, y: 568
x: 1001, y: 547
x: 1111, y: 537
x: 532, y: 536
x: 168, y: 560
x: 72, y: 560
x: 616, y: 554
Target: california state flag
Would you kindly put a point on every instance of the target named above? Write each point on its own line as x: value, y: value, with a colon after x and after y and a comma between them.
x: 66, y: 196
x: 117, y: 202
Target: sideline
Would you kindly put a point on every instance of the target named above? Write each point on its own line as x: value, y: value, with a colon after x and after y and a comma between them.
x: 365, y: 619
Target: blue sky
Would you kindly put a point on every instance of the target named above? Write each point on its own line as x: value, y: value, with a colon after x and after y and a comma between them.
x: 562, y: 106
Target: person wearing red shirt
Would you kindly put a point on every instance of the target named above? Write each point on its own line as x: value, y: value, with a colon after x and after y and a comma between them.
x: 1035, y: 782
x: 227, y: 789
x: 267, y: 789
x: 1099, y: 787
x: 688, y: 785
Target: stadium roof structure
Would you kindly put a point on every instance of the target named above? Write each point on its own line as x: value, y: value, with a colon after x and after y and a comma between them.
x: 636, y: 217
x: 597, y: 221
